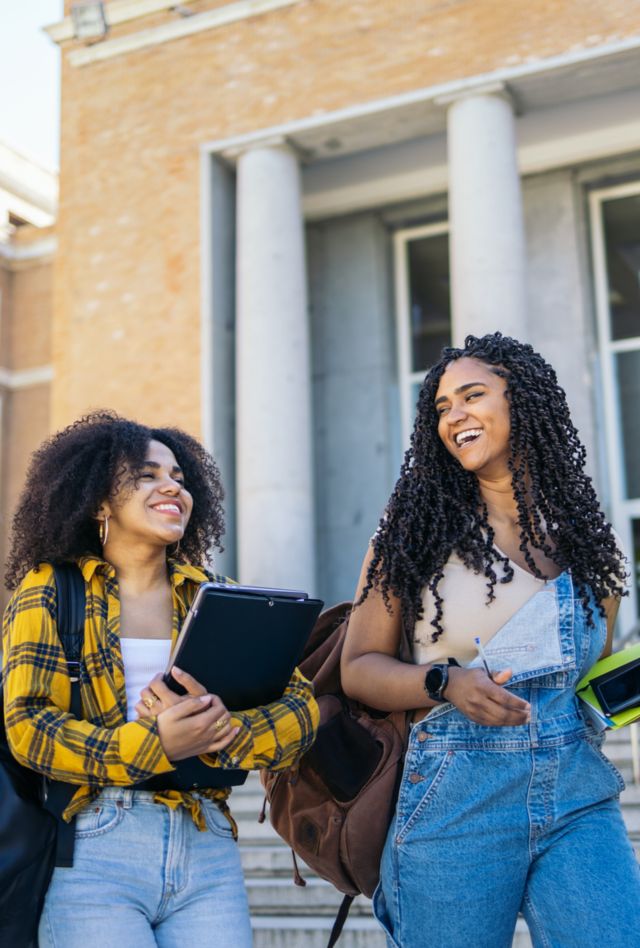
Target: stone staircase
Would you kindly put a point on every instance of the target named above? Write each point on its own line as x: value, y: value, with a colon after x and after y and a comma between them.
x: 287, y: 916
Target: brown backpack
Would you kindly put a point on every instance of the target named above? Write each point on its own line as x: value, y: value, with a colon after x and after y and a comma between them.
x: 335, y: 807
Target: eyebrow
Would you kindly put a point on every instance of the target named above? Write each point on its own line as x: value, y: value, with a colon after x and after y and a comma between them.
x: 459, y: 390
x: 156, y: 466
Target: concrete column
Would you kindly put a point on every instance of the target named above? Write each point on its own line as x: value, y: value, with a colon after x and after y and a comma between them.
x: 274, y: 457
x: 487, y: 242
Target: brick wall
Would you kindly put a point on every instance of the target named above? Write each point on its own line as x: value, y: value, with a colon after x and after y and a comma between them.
x: 127, y: 310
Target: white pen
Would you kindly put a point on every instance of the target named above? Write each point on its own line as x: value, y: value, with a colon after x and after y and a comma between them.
x: 482, y: 654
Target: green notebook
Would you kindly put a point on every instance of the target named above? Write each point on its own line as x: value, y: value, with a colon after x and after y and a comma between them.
x: 611, y: 689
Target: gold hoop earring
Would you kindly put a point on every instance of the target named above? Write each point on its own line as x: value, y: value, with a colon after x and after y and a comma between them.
x: 103, y: 530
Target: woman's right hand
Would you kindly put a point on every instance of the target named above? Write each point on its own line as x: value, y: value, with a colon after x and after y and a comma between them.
x: 195, y: 726
x: 484, y: 700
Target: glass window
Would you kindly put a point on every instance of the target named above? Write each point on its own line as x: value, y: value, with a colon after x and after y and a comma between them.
x: 423, y: 308
x: 628, y: 371
x: 616, y: 256
x: 430, y: 314
x: 621, y: 219
x: 635, y: 557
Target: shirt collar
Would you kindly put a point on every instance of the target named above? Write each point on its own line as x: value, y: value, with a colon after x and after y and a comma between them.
x: 94, y: 564
x: 178, y: 572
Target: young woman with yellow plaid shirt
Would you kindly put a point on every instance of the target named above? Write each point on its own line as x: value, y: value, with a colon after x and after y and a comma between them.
x: 135, y: 507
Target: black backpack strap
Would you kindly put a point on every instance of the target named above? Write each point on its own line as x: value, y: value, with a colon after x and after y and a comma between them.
x: 341, y: 918
x: 71, y: 601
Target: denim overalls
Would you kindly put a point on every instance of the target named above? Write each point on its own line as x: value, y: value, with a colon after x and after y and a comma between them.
x: 491, y: 821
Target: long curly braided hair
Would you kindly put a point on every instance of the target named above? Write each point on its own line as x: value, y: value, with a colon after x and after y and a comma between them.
x: 436, y: 507
x: 78, y: 468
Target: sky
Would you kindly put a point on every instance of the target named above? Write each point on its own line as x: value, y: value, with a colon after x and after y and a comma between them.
x: 30, y: 79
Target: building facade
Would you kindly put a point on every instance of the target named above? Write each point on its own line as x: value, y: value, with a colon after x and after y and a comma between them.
x: 273, y: 213
x: 28, y: 196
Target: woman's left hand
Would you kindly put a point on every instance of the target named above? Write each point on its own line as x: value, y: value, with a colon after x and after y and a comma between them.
x: 157, y: 697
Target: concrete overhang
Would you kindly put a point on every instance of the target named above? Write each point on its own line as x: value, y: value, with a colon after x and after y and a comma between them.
x: 535, y: 85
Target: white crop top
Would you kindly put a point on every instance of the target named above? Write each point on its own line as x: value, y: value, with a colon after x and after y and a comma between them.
x: 142, y: 659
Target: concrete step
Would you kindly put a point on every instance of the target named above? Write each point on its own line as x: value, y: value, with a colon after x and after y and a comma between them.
x: 246, y: 805
x: 319, y: 898
x: 313, y: 932
x: 630, y: 796
x: 251, y: 832
x: 619, y: 734
x: 273, y: 860
x: 631, y: 816
x: 617, y: 744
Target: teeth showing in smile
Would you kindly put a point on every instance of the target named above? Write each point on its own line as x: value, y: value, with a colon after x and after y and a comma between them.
x: 170, y: 508
x: 466, y: 437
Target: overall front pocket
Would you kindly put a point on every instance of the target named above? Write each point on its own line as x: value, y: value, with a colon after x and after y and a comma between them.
x: 421, y: 785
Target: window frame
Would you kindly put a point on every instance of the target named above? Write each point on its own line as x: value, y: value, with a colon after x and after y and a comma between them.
x: 406, y: 377
x: 623, y: 510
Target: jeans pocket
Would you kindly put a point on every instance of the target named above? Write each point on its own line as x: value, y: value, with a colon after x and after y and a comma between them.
x: 382, y: 916
x: 613, y: 775
x: 215, y: 819
x: 419, y: 790
x: 96, y: 819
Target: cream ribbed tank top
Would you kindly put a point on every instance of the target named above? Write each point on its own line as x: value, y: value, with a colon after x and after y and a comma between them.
x: 466, y: 613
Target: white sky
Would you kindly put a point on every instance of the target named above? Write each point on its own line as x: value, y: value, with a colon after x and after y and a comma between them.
x: 30, y: 79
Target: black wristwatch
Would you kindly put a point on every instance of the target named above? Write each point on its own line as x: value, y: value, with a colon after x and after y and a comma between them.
x: 437, y: 679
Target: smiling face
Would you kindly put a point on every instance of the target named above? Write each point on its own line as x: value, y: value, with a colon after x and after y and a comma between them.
x: 473, y: 417
x: 158, y: 507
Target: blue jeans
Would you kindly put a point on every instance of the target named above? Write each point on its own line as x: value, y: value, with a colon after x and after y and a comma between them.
x: 491, y: 821
x: 144, y: 875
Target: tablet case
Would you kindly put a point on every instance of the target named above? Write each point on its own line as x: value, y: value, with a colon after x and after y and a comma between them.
x: 242, y: 643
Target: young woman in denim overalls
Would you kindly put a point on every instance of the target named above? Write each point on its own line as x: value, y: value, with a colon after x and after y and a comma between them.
x: 506, y: 803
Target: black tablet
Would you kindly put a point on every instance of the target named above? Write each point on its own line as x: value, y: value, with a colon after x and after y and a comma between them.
x: 243, y: 642
x: 619, y: 688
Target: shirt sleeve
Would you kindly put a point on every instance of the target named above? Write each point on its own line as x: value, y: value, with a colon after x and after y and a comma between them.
x: 273, y: 736
x: 41, y: 733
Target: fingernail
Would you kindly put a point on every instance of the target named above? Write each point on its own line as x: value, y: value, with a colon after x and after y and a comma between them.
x: 177, y: 670
x: 205, y: 698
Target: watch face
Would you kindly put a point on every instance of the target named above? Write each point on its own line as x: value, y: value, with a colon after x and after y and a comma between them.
x: 433, y: 680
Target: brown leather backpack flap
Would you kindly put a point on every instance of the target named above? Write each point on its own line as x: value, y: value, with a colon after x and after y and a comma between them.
x: 307, y: 815
x: 334, y: 810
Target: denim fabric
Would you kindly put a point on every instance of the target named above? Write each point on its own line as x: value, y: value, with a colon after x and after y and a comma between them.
x: 491, y: 821
x: 144, y: 875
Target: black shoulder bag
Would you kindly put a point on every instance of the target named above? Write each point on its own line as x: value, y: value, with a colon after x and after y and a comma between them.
x: 33, y: 837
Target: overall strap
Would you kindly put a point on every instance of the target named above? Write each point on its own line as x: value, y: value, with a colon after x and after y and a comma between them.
x: 71, y: 600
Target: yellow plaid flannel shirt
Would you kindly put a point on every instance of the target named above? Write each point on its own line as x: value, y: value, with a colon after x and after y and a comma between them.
x: 105, y: 749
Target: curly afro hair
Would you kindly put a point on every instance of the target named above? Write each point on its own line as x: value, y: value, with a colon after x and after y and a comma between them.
x: 73, y: 472
x: 436, y: 507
